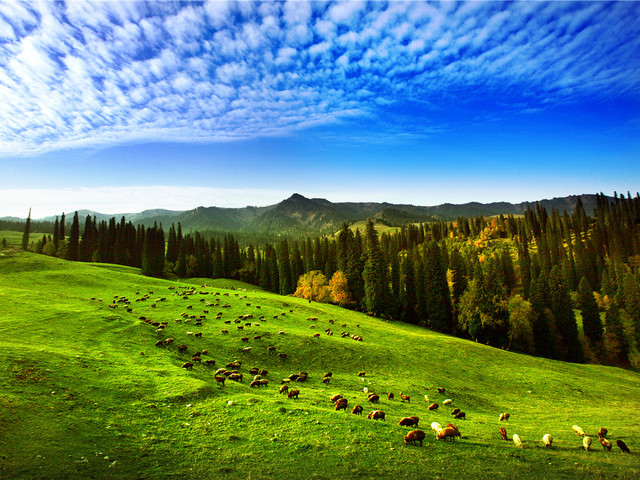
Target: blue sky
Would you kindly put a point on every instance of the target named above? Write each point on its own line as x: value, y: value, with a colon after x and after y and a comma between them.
x: 122, y: 106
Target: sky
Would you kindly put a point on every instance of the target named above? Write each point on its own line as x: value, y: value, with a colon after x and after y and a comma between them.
x: 122, y: 106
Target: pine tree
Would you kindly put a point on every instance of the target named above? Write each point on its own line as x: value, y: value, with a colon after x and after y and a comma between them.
x: 74, y: 239
x: 615, y: 342
x: 560, y: 306
x: 27, y: 232
x: 408, y: 290
x: 56, y: 234
x: 88, y: 242
x: 284, y: 269
x: 374, y: 274
x: 458, y: 277
x: 539, y: 298
x: 591, y: 323
x: 62, y: 229
x: 437, y: 299
x: 632, y: 304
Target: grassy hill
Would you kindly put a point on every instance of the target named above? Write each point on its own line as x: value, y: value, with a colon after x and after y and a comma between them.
x: 85, y: 393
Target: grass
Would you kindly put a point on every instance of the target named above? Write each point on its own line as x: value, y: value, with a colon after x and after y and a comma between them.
x: 85, y: 393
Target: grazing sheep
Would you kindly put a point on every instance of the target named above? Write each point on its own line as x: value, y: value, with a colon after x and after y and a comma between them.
x: 606, y: 444
x: 328, y: 374
x: 448, y: 401
x: 433, y: 406
x: 357, y: 410
x: 455, y: 411
x: 283, y: 356
x: 376, y: 414
x: 284, y: 389
x: 579, y: 431
x: 246, y: 349
x: 503, y: 433
x: 182, y: 348
x: 435, y: 426
x: 361, y: 374
x: 461, y: 415
x: 602, y: 432
x: 341, y: 404
x: 336, y: 397
x: 373, y: 398
x: 547, y: 439
x: 414, y: 436
x: 293, y: 394
x: 160, y: 343
x: 586, y: 443
x: 271, y: 349
x: 316, y: 335
x: 405, y: 398
x: 236, y: 377
x: 407, y: 422
x: 504, y: 416
x: 447, y: 433
x: 389, y: 396
x: 366, y: 390
x: 326, y: 380
x: 264, y: 371
x: 516, y: 440
x: 623, y: 446
x: 254, y: 370
x: 440, y: 390
x: 187, y: 366
x: 210, y: 362
x: 196, y: 358
x: 245, y: 339
x: 168, y: 341
x: 197, y: 334
x: 221, y: 371
x: 451, y: 425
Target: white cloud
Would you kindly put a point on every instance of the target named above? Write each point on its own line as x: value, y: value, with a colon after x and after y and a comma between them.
x: 95, y: 73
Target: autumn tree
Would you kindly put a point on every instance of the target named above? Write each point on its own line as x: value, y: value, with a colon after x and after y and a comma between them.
x: 313, y: 286
x: 339, y: 289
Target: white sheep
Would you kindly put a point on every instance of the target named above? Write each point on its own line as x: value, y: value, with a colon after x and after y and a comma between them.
x: 366, y: 390
x: 448, y: 401
x: 435, y: 426
x: 586, y: 443
x: 547, y: 440
x: 516, y: 440
x: 579, y: 431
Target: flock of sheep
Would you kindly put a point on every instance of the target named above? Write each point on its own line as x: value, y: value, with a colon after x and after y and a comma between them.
x: 231, y: 370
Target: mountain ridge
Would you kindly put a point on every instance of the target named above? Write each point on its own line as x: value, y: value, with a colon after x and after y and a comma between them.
x: 299, y: 214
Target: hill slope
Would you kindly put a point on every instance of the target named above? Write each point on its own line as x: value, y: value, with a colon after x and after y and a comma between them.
x: 87, y: 394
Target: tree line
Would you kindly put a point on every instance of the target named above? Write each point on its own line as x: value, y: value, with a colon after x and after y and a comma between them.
x: 522, y: 283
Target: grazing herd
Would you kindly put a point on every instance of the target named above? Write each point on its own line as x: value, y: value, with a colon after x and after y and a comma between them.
x: 340, y: 403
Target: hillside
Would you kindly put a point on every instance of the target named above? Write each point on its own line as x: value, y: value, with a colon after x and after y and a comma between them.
x: 87, y: 394
x: 298, y: 214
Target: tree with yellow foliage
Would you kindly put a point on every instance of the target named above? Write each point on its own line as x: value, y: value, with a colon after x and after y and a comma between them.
x: 313, y: 286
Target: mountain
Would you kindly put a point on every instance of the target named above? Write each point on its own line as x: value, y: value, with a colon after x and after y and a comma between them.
x: 298, y: 214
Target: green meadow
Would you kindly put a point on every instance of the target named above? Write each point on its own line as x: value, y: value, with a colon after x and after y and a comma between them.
x: 86, y: 393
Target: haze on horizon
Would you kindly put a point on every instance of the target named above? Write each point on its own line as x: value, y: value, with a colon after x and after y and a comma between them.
x: 131, y: 105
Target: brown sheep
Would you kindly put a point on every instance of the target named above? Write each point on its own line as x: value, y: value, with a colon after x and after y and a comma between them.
x: 341, y: 404
x: 376, y: 414
x: 503, y: 433
x: 293, y: 394
x: 407, y: 422
x: 182, y: 348
x: 405, y: 398
x: 283, y: 356
x: 196, y: 358
x: 623, y: 446
x: 361, y: 374
x: 440, y: 390
x: 336, y: 397
x: 451, y: 425
x: 263, y: 371
x: 373, y: 398
x: 433, y: 406
x: 271, y: 349
x: 245, y: 339
x: 316, y: 335
x: 606, y: 444
x: 326, y: 380
x: 455, y: 411
x: 284, y: 389
x: 602, y: 432
x: 414, y: 436
x: 389, y: 396
x: 357, y: 410
x: 447, y: 433
x: 187, y: 366
x: 236, y: 377
x: 220, y: 379
x: 461, y: 415
x: 197, y: 334
x: 254, y: 370
x: 210, y: 362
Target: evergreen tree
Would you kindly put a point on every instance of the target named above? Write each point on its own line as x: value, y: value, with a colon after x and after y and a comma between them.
x: 374, y: 274
x: 408, y: 290
x: 74, y: 239
x: 173, y: 248
x: 539, y: 298
x: 88, y: 242
x: 615, y: 342
x: 355, y: 268
x: 153, y: 252
x: 62, y: 229
x: 56, y: 234
x: 437, y: 299
x: 284, y: 269
x: 458, y: 277
x: 27, y: 232
x: 591, y: 323
x: 565, y: 319
x: 632, y: 304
